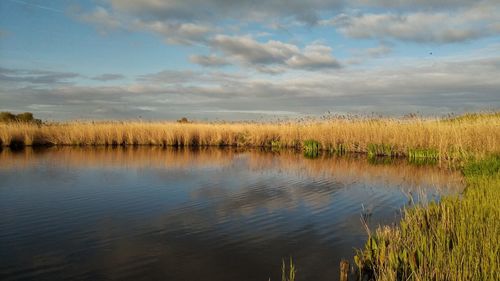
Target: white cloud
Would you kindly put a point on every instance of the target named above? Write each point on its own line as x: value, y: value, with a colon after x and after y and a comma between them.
x: 34, y: 76
x: 210, y: 60
x: 257, y: 112
x: 314, y: 56
x: 415, y: 4
x: 102, y: 19
x: 274, y: 56
x: 174, y: 32
x: 378, y: 51
x: 108, y: 77
x: 362, y: 55
x: 441, y: 86
x: 210, y: 10
x: 450, y: 26
x: 248, y: 50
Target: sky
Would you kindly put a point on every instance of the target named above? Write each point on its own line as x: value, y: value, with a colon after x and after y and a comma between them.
x: 248, y: 59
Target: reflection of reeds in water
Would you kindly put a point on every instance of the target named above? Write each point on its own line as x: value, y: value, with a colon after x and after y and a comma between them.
x: 348, y: 169
x: 131, y: 157
x: 342, y: 169
x: 449, y: 138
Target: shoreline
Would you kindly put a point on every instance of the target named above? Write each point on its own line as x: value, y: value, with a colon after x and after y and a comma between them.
x: 456, y: 238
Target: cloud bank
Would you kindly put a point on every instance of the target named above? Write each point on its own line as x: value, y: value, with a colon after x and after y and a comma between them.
x: 430, y: 88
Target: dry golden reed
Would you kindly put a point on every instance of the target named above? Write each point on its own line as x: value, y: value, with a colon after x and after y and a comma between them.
x: 467, y: 134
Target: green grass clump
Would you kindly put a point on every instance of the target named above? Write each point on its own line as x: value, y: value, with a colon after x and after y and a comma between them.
x: 423, y: 161
x: 380, y: 150
x: 312, y: 145
x: 276, y: 144
x: 311, y: 148
x: 487, y: 167
x: 420, y: 153
x: 288, y: 274
x: 455, y: 239
x: 421, y: 156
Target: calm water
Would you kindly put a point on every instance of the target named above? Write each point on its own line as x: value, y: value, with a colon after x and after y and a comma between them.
x: 164, y: 214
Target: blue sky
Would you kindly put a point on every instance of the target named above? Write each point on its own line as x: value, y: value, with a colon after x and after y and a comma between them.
x: 222, y: 59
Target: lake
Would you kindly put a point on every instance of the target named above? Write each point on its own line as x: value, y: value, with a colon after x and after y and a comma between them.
x: 151, y: 213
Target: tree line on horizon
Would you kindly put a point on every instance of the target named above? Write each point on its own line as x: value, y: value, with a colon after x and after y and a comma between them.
x: 25, y: 117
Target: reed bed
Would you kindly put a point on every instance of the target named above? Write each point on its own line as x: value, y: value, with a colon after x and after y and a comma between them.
x: 455, y: 239
x: 443, y: 138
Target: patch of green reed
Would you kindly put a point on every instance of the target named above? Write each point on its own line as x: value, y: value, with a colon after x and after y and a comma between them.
x: 311, y: 145
x: 380, y: 150
x: 339, y: 149
x: 420, y: 153
x: 288, y: 273
x: 487, y: 167
x: 423, y: 161
x: 276, y: 145
x: 455, y: 239
x: 311, y: 148
x: 419, y: 156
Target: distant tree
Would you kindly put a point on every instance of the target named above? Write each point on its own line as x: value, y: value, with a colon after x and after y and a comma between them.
x: 26, y: 117
x: 183, y: 120
x: 7, y: 117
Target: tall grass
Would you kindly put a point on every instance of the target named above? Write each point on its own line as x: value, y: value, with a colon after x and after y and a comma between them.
x: 448, y: 138
x: 288, y: 273
x: 455, y: 239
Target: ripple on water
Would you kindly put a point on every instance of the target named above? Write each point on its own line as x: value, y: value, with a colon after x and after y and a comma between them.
x: 149, y: 213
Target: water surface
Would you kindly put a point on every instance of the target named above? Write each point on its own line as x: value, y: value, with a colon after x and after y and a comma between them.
x: 206, y: 214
